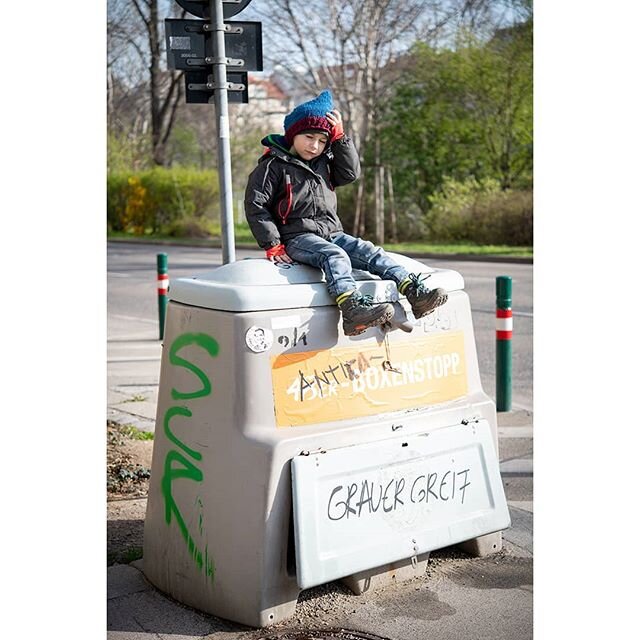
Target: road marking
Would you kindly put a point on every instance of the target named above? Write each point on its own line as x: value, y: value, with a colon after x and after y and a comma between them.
x: 133, y: 318
x: 525, y: 505
x: 116, y: 274
x: 517, y: 467
x: 515, y: 432
x: 526, y: 407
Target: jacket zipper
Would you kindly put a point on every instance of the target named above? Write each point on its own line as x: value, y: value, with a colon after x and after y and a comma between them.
x: 289, y: 199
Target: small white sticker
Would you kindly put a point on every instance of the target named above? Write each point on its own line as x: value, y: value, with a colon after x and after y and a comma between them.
x: 258, y: 339
x: 179, y: 43
x: 285, y: 322
x: 223, y: 127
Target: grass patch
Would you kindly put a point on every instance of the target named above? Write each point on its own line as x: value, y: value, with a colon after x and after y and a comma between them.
x: 461, y: 248
x: 118, y: 431
x: 136, y: 398
x: 243, y: 236
x: 136, y: 434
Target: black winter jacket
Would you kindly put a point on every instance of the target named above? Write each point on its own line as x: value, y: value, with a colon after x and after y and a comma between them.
x: 287, y: 196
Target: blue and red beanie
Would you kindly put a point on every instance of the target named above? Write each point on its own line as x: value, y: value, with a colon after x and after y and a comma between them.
x: 308, y: 116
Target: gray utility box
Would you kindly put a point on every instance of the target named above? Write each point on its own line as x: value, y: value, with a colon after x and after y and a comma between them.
x: 287, y: 454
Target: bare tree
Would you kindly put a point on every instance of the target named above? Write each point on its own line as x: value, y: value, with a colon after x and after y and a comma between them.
x: 136, y: 53
x: 356, y: 48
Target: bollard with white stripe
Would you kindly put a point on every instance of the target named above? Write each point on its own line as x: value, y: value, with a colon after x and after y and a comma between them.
x: 504, y: 333
x: 163, y: 289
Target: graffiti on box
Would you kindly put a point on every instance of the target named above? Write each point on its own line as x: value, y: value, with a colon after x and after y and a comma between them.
x: 180, y: 462
x: 338, y: 384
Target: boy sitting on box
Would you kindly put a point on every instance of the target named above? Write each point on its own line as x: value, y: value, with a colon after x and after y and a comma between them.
x: 291, y: 207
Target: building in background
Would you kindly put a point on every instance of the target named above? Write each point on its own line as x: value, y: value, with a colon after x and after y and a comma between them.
x: 268, y: 105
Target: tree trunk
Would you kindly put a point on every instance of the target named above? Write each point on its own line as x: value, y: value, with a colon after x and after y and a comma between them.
x: 392, y: 207
x: 154, y: 71
x: 382, y: 195
x: 377, y: 190
x: 359, y: 218
x: 165, y: 88
x: 355, y: 229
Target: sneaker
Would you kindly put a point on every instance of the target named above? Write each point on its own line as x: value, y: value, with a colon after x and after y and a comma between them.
x: 423, y: 301
x: 359, y: 312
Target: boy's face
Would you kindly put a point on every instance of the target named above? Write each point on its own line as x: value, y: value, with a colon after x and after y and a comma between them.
x: 310, y: 144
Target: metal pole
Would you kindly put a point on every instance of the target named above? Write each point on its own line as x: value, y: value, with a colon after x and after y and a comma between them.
x: 504, y: 333
x: 222, y: 123
x: 163, y: 289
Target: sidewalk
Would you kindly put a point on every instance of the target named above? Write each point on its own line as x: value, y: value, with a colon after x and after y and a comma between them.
x: 459, y: 598
x: 133, y: 374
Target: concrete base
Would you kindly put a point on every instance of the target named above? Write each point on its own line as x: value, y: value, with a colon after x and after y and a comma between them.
x: 392, y: 573
x: 483, y: 545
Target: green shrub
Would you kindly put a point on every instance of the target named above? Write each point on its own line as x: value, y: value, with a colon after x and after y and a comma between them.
x: 506, y: 218
x: 190, y: 227
x: 473, y: 211
x: 116, y: 201
x: 159, y: 200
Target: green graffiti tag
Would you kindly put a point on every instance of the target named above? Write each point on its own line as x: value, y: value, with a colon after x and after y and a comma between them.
x: 176, y: 464
x: 204, y: 341
x: 179, y: 411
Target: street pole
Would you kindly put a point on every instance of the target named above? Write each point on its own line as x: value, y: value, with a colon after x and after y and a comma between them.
x: 222, y: 124
x: 162, y: 262
x: 504, y: 334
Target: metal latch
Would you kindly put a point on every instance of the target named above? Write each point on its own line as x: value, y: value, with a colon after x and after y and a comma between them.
x: 308, y: 453
x: 414, y: 557
x: 386, y: 364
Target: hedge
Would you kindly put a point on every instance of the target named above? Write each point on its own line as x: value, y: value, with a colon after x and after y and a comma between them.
x: 163, y: 201
x: 480, y: 212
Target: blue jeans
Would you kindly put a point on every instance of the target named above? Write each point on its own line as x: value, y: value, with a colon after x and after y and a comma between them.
x: 339, y: 255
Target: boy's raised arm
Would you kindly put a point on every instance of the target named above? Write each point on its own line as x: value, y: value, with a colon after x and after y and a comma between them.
x: 345, y: 167
x: 346, y: 161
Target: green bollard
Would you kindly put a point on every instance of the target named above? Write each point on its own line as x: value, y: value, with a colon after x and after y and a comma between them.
x: 163, y: 289
x: 504, y: 333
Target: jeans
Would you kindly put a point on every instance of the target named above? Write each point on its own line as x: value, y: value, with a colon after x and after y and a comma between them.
x: 339, y: 255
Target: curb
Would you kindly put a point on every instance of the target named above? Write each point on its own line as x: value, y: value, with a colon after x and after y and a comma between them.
x: 467, y: 257
x: 126, y: 419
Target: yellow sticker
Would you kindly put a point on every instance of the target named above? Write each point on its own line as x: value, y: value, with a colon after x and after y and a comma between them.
x: 341, y: 384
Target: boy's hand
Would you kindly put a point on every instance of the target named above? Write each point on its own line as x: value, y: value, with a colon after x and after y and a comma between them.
x: 278, y: 254
x: 335, y: 119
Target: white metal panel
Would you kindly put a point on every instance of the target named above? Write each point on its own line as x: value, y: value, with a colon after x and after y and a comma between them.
x: 365, y: 506
x: 257, y: 285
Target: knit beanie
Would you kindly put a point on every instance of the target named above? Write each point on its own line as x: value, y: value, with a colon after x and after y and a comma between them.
x: 309, y: 115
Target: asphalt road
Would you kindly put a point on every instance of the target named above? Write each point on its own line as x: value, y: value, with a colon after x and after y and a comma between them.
x: 132, y: 302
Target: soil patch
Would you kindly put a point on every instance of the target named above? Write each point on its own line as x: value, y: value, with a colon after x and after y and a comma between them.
x: 128, y: 471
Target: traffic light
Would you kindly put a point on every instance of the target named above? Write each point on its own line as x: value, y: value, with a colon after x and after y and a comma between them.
x: 191, y: 47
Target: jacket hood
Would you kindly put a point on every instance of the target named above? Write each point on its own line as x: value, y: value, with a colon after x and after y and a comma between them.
x: 275, y: 140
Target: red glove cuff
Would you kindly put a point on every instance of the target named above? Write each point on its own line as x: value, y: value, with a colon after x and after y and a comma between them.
x: 337, y: 132
x: 278, y: 250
